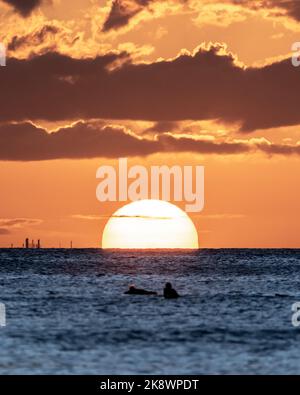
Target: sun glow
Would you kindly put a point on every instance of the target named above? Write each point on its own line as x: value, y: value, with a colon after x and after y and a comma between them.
x: 150, y: 224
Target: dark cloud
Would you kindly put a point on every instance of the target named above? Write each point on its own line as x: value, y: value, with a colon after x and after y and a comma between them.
x: 162, y: 127
x: 122, y: 11
x: 32, y: 39
x: 292, y: 7
x: 26, y: 142
x: 185, y: 144
x: 24, y: 7
x: 4, y: 231
x: 204, y: 86
x: 280, y: 149
x: 287, y: 7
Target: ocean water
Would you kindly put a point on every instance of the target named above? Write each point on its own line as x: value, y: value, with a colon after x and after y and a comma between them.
x: 67, y: 314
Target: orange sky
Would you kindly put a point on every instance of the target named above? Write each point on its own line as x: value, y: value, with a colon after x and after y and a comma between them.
x: 252, y: 195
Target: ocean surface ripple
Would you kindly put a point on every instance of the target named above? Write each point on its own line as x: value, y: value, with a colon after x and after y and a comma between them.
x: 67, y: 312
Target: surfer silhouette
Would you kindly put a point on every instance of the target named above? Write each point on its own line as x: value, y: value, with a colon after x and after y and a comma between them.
x: 138, y: 291
x: 170, y: 292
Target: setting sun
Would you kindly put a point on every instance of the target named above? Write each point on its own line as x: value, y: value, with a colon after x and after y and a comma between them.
x: 150, y: 224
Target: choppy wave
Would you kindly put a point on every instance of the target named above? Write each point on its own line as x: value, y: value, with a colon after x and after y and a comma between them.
x: 66, y: 312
